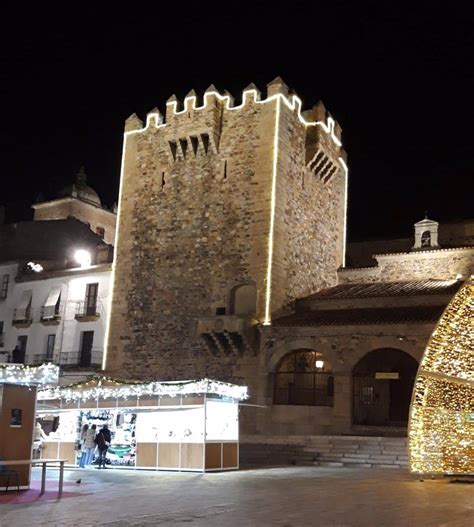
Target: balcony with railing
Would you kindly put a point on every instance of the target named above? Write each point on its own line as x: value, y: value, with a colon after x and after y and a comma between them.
x: 22, y: 318
x: 42, y: 358
x: 49, y: 317
x: 88, y: 311
x: 81, y: 359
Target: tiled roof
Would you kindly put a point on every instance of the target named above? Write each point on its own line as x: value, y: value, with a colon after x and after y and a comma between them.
x: 364, y: 316
x: 389, y: 289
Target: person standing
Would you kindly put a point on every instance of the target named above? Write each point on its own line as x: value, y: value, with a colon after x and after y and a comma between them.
x: 102, y: 440
x: 38, y: 440
x: 89, y: 445
x: 18, y: 355
x: 82, y: 440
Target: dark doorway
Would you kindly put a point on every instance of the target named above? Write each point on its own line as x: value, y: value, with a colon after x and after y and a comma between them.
x: 87, y: 339
x: 382, y: 387
x: 21, y: 343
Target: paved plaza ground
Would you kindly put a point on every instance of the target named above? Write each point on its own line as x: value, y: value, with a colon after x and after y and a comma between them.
x: 283, y: 496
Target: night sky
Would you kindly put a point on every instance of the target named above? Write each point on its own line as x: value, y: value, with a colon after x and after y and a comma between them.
x: 399, y: 81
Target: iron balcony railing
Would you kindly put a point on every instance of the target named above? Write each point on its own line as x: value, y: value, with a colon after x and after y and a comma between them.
x: 88, y: 309
x: 41, y: 358
x: 81, y: 358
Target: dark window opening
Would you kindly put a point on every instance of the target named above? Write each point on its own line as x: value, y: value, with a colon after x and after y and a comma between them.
x: 50, y: 340
x: 5, y: 281
x: 220, y: 311
x: 426, y: 239
x: 91, y: 299
x: 304, y: 377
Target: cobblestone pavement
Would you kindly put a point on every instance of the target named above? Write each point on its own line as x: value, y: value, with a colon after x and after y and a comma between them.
x: 288, y: 496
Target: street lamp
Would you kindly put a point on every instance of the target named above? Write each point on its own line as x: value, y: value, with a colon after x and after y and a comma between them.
x: 83, y: 258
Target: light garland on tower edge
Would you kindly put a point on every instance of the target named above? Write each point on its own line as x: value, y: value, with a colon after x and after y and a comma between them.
x: 95, y: 390
x: 22, y: 374
x: 441, y: 430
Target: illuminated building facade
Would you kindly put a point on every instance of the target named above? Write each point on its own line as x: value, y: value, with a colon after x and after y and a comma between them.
x: 231, y: 264
x: 52, y: 306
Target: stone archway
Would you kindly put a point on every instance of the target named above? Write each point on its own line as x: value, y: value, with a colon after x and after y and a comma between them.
x: 382, y: 385
x: 243, y: 300
x: 304, y: 377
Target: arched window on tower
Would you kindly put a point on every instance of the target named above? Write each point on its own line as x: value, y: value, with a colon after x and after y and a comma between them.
x: 304, y: 377
x: 426, y: 239
x: 243, y: 300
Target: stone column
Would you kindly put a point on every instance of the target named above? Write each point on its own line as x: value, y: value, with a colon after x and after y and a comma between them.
x: 342, y: 402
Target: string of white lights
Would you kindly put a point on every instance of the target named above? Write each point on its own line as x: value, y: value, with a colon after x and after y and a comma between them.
x: 96, y: 389
x: 22, y: 374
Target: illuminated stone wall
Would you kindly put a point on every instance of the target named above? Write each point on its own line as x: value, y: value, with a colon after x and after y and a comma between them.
x: 198, y: 195
x: 94, y: 216
x: 441, y: 264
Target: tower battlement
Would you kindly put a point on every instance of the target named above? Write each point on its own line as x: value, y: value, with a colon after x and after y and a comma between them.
x: 213, y: 103
x: 226, y: 210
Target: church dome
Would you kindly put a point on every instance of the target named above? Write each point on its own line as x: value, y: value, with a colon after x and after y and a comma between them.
x: 80, y: 190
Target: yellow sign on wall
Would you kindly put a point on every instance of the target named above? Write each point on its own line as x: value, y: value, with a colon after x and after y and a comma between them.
x: 387, y: 375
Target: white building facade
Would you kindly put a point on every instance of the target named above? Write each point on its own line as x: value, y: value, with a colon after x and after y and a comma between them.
x: 57, y: 317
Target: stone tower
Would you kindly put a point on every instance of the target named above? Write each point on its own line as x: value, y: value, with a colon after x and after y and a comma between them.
x: 227, y: 213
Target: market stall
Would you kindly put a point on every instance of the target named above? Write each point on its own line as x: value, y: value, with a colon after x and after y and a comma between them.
x: 189, y: 425
x: 18, y: 385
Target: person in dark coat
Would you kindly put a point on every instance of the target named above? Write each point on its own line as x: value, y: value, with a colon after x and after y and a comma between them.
x: 18, y: 355
x: 103, y: 439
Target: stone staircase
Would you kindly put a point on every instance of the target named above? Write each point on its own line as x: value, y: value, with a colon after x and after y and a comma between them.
x: 326, y: 451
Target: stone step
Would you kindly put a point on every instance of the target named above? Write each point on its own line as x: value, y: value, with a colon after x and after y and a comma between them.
x: 357, y: 465
x: 328, y: 464
x: 345, y: 450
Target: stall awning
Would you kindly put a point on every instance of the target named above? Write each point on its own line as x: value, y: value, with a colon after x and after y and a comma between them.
x: 23, y: 305
x: 49, y: 308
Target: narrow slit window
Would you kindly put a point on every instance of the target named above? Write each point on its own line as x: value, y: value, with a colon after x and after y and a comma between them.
x: 173, y: 148
x: 183, y: 143
x: 205, y: 142
x: 194, y: 145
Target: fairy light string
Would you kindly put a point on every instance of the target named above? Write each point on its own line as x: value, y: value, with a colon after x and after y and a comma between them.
x: 441, y: 431
x: 109, y: 388
x: 22, y: 374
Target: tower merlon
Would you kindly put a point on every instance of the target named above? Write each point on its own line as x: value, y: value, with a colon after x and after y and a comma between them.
x: 154, y: 117
x: 133, y: 123
x: 277, y: 86
x: 251, y: 92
